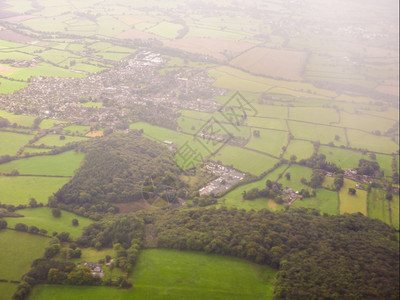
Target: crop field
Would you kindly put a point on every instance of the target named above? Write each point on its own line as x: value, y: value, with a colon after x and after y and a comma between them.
x: 18, y: 250
x: 63, y: 164
x: 365, y: 122
x: 270, y: 62
x: 318, y: 115
x: 26, y: 121
x: 11, y: 142
x: 325, y: 201
x: 270, y: 141
x: 54, y: 140
x: 170, y: 274
x: 363, y: 140
x: 42, y: 218
x: 166, y: 29
x: 39, y: 188
x: 296, y: 173
x: 245, y: 160
x: 301, y: 149
x: 323, y: 134
x: 7, y: 290
x: 378, y: 206
x: 352, y: 203
x: 267, y: 123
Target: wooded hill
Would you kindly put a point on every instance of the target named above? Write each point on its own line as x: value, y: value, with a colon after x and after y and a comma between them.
x: 120, y: 168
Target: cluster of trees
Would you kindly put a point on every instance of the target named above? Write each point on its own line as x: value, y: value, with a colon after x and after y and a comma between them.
x: 4, y: 122
x: 272, y: 190
x: 366, y: 167
x: 31, y: 229
x: 120, y: 168
x: 318, y: 161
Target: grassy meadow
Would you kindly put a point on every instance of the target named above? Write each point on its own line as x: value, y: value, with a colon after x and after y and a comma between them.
x: 7, y: 290
x: 55, y: 141
x: 171, y: 274
x: 18, y: 250
x: 325, y: 201
x: 352, y: 203
x: 11, y: 142
x: 42, y: 218
x: 39, y: 188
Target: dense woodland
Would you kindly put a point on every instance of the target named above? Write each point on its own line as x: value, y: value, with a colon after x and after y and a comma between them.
x: 333, y: 257
x: 119, y: 168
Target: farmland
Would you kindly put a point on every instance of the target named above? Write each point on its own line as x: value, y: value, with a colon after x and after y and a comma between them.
x: 194, y: 276
x: 352, y: 203
x: 55, y: 140
x: 7, y: 290
x: 269, y: 141
x: 12, y: 142
x: 39, y: 188
x: 21, y: 249
x: 42, y: 218
x: 325, y: 201
x: 51, y: 165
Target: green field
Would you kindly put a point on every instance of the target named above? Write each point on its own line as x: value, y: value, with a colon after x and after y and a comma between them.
x: 378, y: 206
x: 321, y: 133
x: 395, y: 208
x: 7, y: 289
x: 39, y: 188
x: 365, y: 122
x: 363, y: 140
x: 18, y: 250
x: 301, y: 149
x: 35, y: 150
x: 267, y: 123
x: 169, y: 274
x: 42, y: 218
x: 9, y: 86
x: 54, y: 140
x: 245, y: 160
x: 11, y: 142
x: 166, y: 29
x: 325, y: 201
x: 318, y: 115
x: 352, y: 203
x: 296, y: 173
x: 76, y: 129
x: 346, y: 159
x: 63, y: 164
x: 270, y: 141
x: 48, y: 123
x: 26, y: 121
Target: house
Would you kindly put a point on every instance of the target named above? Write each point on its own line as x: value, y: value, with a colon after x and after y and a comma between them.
x: 97, y: 270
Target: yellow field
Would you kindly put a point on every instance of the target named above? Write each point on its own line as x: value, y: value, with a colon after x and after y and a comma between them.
x: 352, y: 203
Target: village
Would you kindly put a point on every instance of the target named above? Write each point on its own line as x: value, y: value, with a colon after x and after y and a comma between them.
x: 129, y: 91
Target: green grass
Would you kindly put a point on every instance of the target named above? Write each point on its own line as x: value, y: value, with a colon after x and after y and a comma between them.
x: 44, y: 69
x: 266, y: 123
x: 318, y: 115
x: 166, y: 29
x: 42, y: 218
x: 9, y: 86
x: 18, y: 250
x: 365, y: 122
x: 92, y: 104
x: 11, y: 142
x: 7, y: 289
x: 301, y: 149
x: 76, y: 129
x: 26, y: 121
x: 48, y: 123
x: 63, y: 164
x: 394, y: 206
x: 245, y: 160
x: 325, y: 201
x: 270, y: 141
x: 363, y: 140
x: 322, y: 133
x: 296, y: 173
x: 378, y: 206
x: 170, y: 274
x: 18, y: 190
x: 54, y: 140
x: 35, y: 150
x: 346, y: 159
x: 352, y: 203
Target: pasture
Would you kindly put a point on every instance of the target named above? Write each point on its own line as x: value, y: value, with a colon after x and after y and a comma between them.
x: 272, y: 63
x: 269, y: 141
x: 39, y: 188
x: 166, y: 29
x: 18, y: 250
x: 267, y: 123
x: 344, y: 158
x: 21, y: 120
x: 76, y: 129
x: 44, y: 69
x: 363, y: 140
x: 11, y: 142
x: 7, y: 289
x: 48, y: 123
x: 63, y: 164
x: 378, y: 206
x: 301, y: 149
x: 42, y: 218
x: 365, y: 122
x: 352, y: 203
x: 311, y: 132
x: 56, y: 141
x: 325, y: 201
x: 171, y: 274
x: 9, y: 86
x: 319, y: 115
x: 296, y: 173
x: 245, y: 160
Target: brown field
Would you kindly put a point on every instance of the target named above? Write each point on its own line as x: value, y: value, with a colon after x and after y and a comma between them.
x: 388, y: 89
x: 128, y: 207
x: 270, y: 62
x: 138, y: 34
x: 94, y: 133
x: 211, y: 47
x: 12, y: 36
